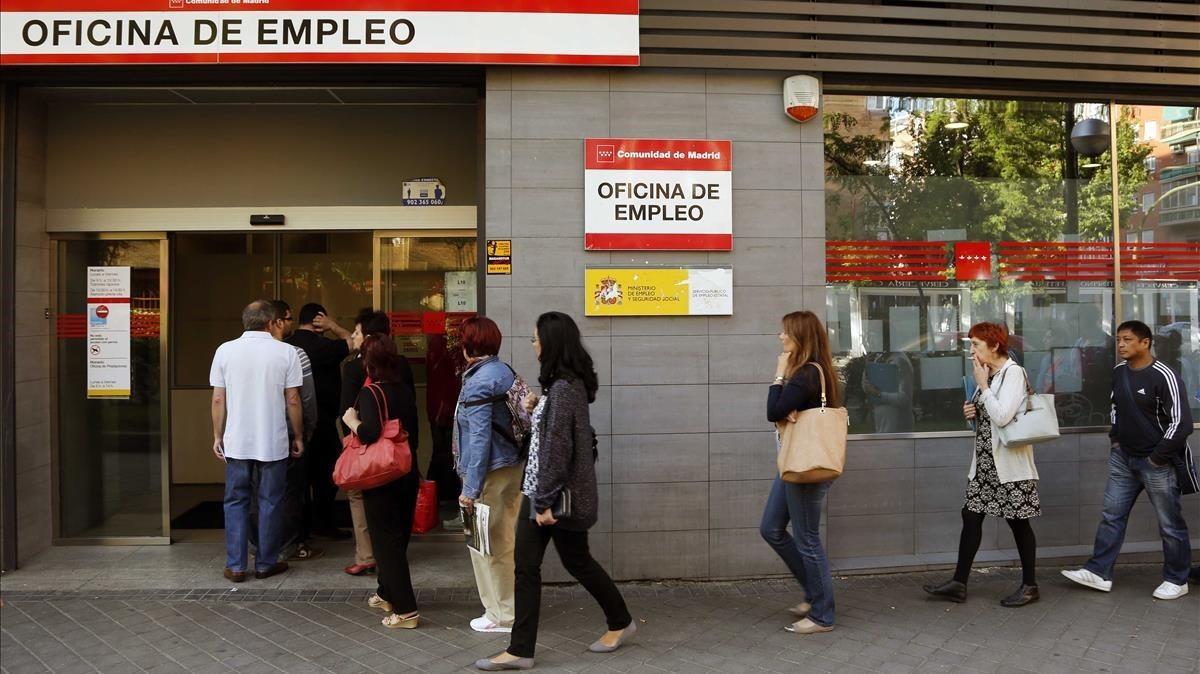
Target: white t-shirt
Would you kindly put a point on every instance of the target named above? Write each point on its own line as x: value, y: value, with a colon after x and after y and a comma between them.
x: 254, y: 370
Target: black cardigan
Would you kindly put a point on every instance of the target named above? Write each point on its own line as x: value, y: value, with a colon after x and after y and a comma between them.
x: 801, y: 392
x: 401, y: 405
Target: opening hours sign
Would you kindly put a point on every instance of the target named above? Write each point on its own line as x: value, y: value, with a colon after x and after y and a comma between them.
x: 658, y: 194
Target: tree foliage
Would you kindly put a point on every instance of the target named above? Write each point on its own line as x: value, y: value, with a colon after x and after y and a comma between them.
x: 1001, y: 178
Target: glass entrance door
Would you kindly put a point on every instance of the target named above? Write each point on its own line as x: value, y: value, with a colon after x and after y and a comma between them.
x: 109, y: 304
x: 426, y: 282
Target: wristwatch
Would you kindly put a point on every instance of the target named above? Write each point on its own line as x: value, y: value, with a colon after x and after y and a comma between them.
x: 778, y: 380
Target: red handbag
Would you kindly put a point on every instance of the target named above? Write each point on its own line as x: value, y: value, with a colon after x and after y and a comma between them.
x: 387, y: 459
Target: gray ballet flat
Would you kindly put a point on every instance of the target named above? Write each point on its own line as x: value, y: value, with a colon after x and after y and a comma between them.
x: 487, y: 665
x: 626, y: 635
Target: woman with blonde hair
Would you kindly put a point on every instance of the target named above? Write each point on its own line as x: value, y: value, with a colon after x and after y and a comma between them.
x: 804, y: 360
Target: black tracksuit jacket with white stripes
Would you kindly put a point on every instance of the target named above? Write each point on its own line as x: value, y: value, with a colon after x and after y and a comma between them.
x: 1162, y: 401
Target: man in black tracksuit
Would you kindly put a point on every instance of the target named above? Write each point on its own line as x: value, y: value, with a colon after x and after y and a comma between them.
x: 1151, y: 420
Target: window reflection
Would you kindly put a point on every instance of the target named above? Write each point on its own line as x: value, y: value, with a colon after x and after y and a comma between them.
x: 941, y: 213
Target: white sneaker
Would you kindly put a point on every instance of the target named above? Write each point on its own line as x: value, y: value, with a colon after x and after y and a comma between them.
x: 1089, y: 579
x: 1169, y: 590
x: 482, y: 624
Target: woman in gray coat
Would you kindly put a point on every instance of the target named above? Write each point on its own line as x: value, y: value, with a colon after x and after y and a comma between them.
x: 560, y: 500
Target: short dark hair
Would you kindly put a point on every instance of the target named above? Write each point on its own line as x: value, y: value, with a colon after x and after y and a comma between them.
x: 281, y: 308
x: 373, y: 322
x: 481, y: 336
x: 308, y: 312
x: 258, y: 315
x: 1139, y: 330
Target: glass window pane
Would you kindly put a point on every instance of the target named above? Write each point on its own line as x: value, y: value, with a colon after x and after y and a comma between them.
x: 216, y: 276
x: 109, y: 450
x: 1160, y: 261
x: 942, y: 213
x: 429, y: 284
x: 331, y: 269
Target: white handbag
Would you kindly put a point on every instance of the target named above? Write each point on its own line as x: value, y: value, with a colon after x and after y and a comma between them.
x: 1037, y: 422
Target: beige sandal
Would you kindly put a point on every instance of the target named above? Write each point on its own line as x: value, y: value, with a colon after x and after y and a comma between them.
x: 396, y: 621
x: 377, y: 602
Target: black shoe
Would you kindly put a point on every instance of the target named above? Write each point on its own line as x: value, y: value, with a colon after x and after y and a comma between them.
x: 951, y: 589
x: 279, y: 568
x: 1194, y: 576
x: 1026, y: 594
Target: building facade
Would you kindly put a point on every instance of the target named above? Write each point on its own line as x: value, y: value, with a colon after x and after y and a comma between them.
x: 937, y: 187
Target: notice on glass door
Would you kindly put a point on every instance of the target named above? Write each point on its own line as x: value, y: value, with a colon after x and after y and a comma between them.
x: 108, y: 291
x: 460, y: 291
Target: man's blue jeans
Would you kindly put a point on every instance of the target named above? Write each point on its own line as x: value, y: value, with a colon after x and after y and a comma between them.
x: 804, y: 554
x: 241, y: 476
x: 1127, y: 477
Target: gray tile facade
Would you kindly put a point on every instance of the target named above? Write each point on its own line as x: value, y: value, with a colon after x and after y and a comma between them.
x: 690, y: 454
x: 32, y: 370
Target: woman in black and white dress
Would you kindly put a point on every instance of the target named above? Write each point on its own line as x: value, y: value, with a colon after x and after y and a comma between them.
x: 1003, y: 480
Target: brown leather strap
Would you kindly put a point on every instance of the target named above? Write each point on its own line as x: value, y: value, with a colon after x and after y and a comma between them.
x: 822, y: 371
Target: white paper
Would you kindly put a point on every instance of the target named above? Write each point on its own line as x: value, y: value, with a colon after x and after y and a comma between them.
x: 483, y: 516
x: 942, y: 373
x: 710, y: 292
x: 904, y: 328
x: 460, y: 291
x: 874, y: 335
x: 108, y: 366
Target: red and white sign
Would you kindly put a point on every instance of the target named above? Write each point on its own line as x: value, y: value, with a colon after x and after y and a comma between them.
x: 514, y: 32
x: 656, y: 194
x: 972, y: 261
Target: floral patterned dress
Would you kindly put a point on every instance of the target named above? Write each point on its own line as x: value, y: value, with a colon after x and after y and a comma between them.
x: 985, y: 493
x: 529, y: 483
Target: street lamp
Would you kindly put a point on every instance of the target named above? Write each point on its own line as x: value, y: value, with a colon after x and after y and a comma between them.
x: 1089, y: 137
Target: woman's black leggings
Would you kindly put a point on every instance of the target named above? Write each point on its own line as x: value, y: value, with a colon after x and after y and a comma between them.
x: 972, y: 535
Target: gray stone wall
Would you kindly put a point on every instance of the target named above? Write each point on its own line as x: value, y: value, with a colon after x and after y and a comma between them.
x: 687, y: 457
x: 34, y: 512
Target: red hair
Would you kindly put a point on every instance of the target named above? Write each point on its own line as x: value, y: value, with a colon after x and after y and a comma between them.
x: 480, y: 336
x: 993, y: 334
x: 381, y: 360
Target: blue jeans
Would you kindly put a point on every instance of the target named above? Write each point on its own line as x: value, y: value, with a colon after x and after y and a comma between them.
x: 1127, y: 477
x: 241, y: 476
x: 804, y: 554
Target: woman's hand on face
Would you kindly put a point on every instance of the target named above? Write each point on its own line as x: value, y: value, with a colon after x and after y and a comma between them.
x: 968, y: 411
x: 782, y: 364
x: 980, y: 371
x: 546, y: 518
x: 530, y: 402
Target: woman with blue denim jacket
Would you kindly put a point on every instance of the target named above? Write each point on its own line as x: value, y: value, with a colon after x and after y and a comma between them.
x: 490, y: 466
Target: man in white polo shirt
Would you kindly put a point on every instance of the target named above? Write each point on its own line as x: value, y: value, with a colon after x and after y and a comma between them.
x: 256, y: 384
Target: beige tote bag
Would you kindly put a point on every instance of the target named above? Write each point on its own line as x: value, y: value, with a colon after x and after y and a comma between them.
x: 812, y: 443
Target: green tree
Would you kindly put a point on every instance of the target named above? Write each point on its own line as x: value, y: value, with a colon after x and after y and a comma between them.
x: 1001, y: 178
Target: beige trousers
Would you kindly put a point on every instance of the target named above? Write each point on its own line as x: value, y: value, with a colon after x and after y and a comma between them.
x: 494, y: 574
x: 362, y: 539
